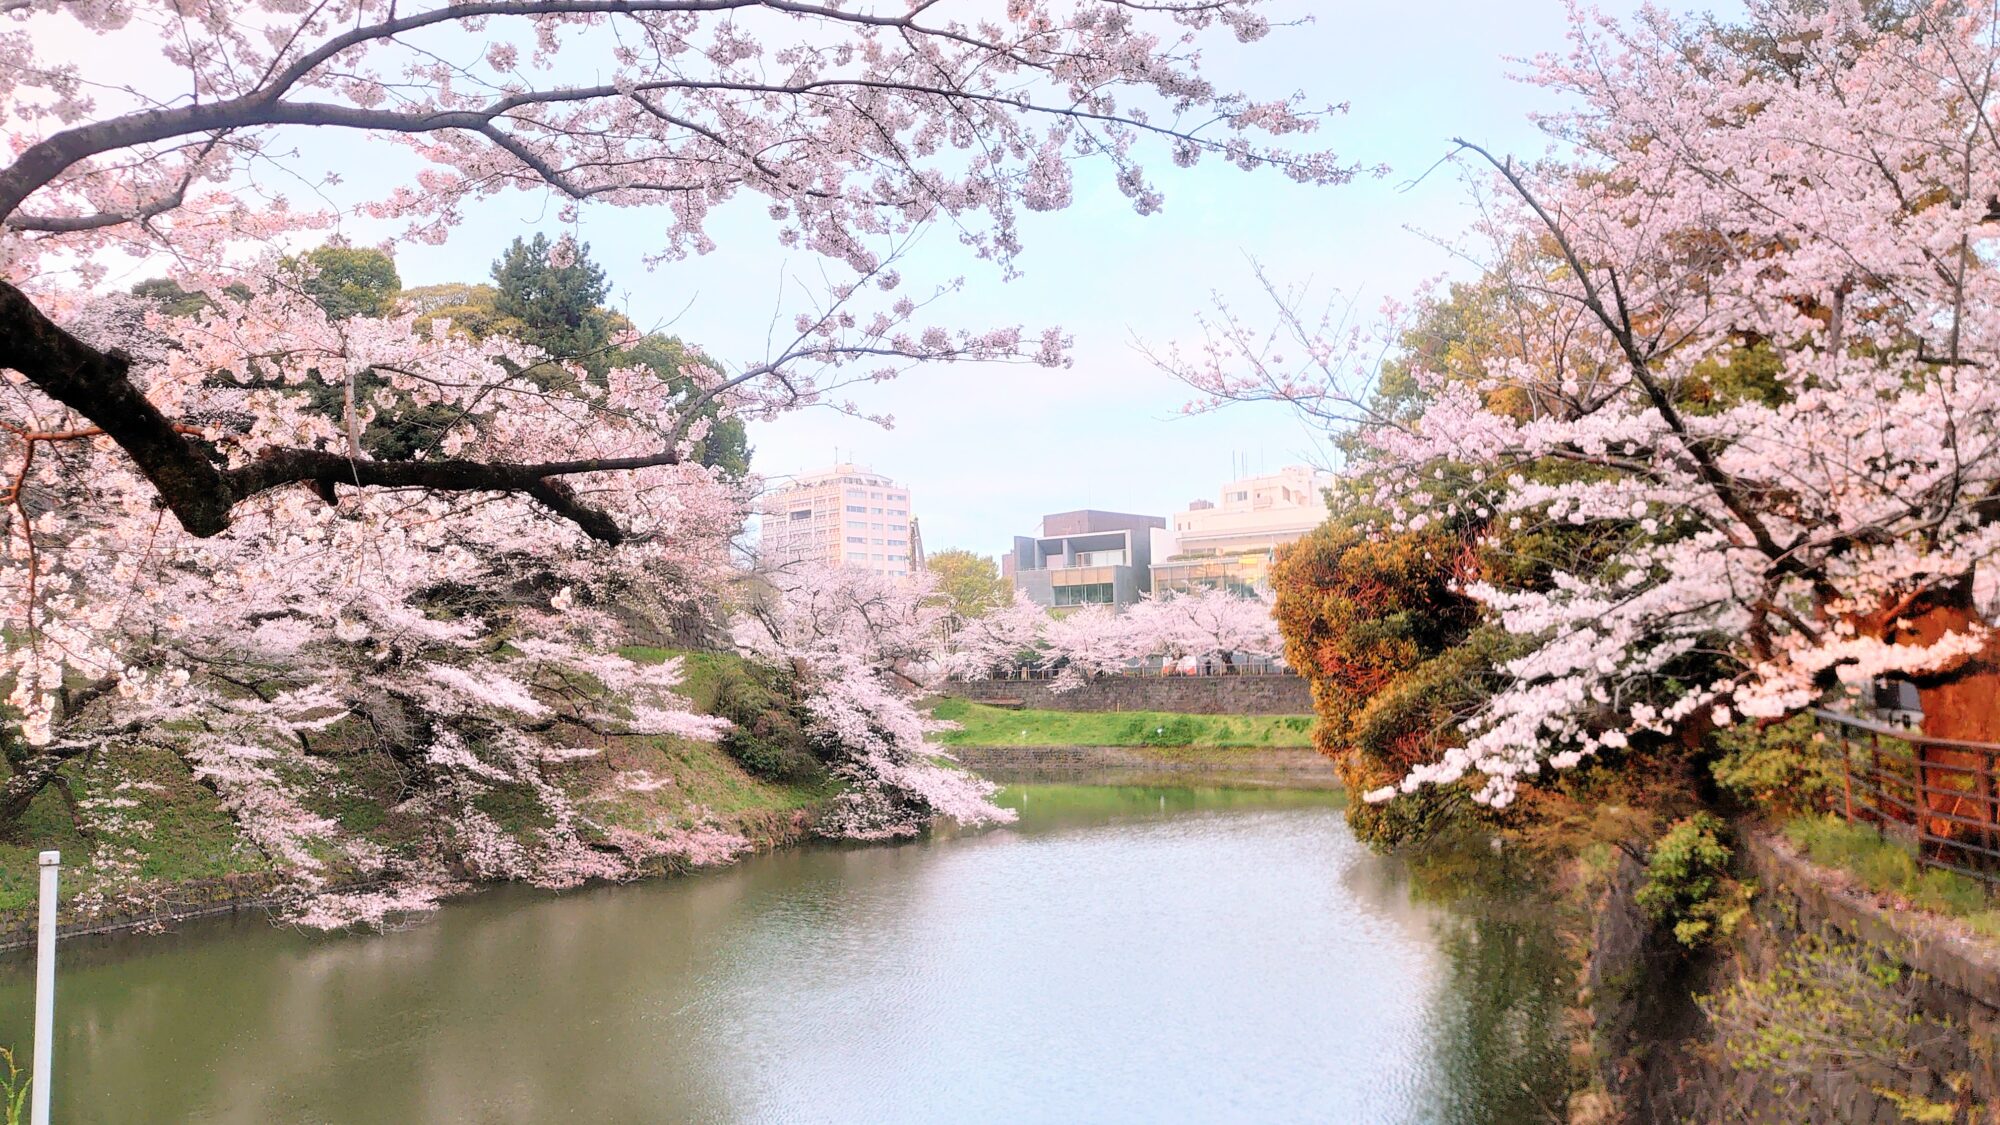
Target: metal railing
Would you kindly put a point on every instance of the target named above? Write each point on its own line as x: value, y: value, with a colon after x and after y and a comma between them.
x: 1941, y: 793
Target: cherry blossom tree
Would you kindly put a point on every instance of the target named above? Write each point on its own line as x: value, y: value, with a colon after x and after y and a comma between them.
x: 1002, y: 637
x: 1753, y: 306
x: 149, y: 130
x: 1091, y: 641
x: 1100, y: 640
x: 1207, y: 622
x: 860, y: 649
x: 249, y: 654
x: 866, y: 127
x: 191, y: 540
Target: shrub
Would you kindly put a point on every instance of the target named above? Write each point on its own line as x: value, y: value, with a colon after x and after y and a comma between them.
x: 1829, y: 1006
x: 1780, y: 768
x: 769, y: 737
x: 1177, y: 731
x: 1688, y: 885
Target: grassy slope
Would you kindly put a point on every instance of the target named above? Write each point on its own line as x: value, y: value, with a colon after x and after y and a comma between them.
x: 191, y: 848
x: 1886, y: 867
x: 981, y: 725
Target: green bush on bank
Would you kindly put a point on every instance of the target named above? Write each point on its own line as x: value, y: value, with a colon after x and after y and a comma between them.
x: 768, y: 738
x: 1829, y: 1006
x: 1688, y: 885
x: 1780, y: 770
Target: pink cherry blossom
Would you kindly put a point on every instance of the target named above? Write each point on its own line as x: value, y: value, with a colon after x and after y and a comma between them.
x: 1813, y: 193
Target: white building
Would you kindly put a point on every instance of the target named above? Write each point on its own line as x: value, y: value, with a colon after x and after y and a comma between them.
x: 1234, y: 542
x: 844, y: 516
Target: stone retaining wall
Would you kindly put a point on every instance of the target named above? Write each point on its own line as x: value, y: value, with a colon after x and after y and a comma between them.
x: 1305, y: 765
x: 1658, y: 1078
x: 1187, y: 695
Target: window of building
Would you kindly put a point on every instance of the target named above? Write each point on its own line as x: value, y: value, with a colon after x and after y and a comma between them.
x: 1090, y: 593
x: 863, y: 508
x: 803, y: 514
x: 856, y: 539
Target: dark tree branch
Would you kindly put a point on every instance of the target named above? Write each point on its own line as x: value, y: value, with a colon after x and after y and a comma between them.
x: 95, y: 384
x: 202, y: 495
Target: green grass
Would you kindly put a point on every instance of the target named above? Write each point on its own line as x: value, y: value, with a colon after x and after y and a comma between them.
x: 1887, y: 867
x: 703, y: 673
x: 981, y: 725
x: 171, y: 829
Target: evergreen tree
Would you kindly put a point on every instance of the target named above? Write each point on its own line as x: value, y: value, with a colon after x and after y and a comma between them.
x: 560, y: 307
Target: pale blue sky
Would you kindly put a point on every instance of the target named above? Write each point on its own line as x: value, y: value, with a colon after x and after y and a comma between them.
x: 986, y: 451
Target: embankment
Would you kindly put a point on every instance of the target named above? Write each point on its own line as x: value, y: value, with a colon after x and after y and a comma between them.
x: 1277, y: 763
x: 173, y: 903
x: 1883, y: 1046
x: 1185, y: 695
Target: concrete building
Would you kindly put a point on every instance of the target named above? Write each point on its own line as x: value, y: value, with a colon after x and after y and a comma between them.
x: 1232, y: 544
x: 843, y: 516
x: 1085, y: 558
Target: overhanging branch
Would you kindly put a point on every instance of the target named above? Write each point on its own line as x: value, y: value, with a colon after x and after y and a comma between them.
x: 202, y: 495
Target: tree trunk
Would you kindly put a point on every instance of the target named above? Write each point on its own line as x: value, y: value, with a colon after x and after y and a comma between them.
x: 1962, y: 704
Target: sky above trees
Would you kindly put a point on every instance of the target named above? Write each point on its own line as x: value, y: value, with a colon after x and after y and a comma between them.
x: 987, y: 451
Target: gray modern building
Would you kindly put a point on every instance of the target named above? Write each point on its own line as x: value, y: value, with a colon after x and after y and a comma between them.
x: 1085, y: 557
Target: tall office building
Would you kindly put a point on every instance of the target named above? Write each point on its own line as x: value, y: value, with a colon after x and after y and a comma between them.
x: 843, y: 516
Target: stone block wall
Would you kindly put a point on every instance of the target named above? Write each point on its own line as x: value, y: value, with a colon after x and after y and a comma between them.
x: 1667, y: 1069
x: 1300, y: 764
x: 1187, y: 695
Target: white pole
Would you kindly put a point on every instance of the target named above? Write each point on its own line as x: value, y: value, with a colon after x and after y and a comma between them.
x: 45, y: 995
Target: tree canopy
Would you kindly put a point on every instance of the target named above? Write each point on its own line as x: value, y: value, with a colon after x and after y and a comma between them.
x: 1736, y: 446
x: 260, y: 507
x: 972, y: 583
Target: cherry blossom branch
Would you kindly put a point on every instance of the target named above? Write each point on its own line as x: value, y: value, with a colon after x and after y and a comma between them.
x: 1619, y: 325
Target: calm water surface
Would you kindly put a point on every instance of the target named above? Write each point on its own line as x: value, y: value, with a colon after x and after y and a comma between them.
x: 1122, y: 954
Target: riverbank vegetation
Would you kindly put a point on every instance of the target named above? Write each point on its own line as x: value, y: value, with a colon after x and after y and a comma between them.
x: 143, y: 834
x: 981, y: 725
x: 1890, y: 869
x: 1710, y: 441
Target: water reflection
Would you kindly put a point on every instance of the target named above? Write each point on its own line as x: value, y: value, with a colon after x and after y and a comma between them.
x: 1121, y: 954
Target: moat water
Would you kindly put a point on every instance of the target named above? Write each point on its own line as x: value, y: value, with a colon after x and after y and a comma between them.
x: 1123, y: 953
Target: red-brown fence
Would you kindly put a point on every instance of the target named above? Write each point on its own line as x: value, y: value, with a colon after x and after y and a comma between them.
x: 1944, y: 792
